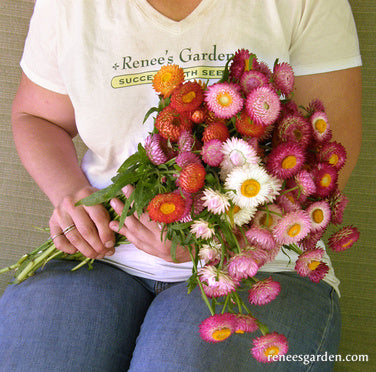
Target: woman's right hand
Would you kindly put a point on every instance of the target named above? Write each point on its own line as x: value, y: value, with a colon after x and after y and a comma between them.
x: 87, y: 227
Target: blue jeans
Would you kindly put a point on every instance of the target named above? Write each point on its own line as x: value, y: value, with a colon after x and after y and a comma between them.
x: 106, y: 320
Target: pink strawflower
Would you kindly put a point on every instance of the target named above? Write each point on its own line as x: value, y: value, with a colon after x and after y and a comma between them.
x: 224, y: 99
x: 261, y: 237
x: 315, y: 105
x: 344, y: 238
x: 211, y: 152
x: 332, y: 153
x: 186, y: 142
x: 267, y: 348
x: 283, y: 78
x: 259, y: 255
x: 264, y: 291
x: 310, y: 264
x: 320, y: 214
x: 305, y: 182
x: 246, y: 323
x: 188, y: 205
x: 242, y: 266
x: 285, y: 160
x: 263, y: 68
x: 296, y: 128
x: 215, y: 202
x: 325, y: 177
x: 288, y: 202
x: 154, y: 149
x: 320, y: 126
x: 187, y: 157
x: 198, y: 203
x: 210, y: 253
x: 252, y: 79
x: 268, y: 217
x: 292, y: 227
x: 218, y: 327
x: 338, y: 202
x: 201, y: 229
x: 238, y: 152
x: 263, y: 105
x: 216, y: 282
x: 311, y: 240
x: 240, y: 63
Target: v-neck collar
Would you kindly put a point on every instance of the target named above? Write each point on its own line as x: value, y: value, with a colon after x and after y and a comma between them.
x: 167, y: 23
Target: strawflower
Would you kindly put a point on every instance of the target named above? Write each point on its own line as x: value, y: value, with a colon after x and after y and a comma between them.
x: 217, y: 327
x: 166, y: 208
x: 167, y: 79
x: 268, y: 346
x: 310, y: 264
x: 245, y: 323
x: 216, y: 282
x: 344, y: 238
x: 202, y: 229
x: 264, y: 291
x: 215, y: 202
x: 320, y: 126
x: 211, y: 152
x: 187, y: 97
x: 242, y: 266
x: 283, y: 77
x: 320, y: 214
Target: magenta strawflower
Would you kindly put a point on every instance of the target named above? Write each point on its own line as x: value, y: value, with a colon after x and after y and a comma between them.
x: 186, y: 141
x: 242, y: 266
x: 296, y: 128
x: 252, y: 79
x: 292, y: 227
x: 245, y: 323
x: 305, y: 183
x: 338, y: 202
x: 344, y: 238
x: 263, y: 105
x: 320, y: 126
x: 311, y: 240
x: 211, y: 152
x: 320, y: 214
x: 332, y: 153
x: 264, y: 291
x: 288, y: 202
x: 216, y: 282
x: 267, y: 348
x: 315, y: 105
x: 285, y: 160
x: 260, y: 255
x: 310, y: 264
x: 187, y: 157
x: 224, y: 99
x: 186, y: 217
x: 218, y: 327
x: 325, y: 177
x: 283, y: 78
x: 240, y: 63
x: 261, y: 237
x: 154, y: 149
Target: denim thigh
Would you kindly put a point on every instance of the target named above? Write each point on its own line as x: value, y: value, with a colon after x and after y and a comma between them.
x: 59, y: 320
x: 306, y: 313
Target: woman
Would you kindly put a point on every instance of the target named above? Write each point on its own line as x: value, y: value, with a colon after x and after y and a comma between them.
x: 85, y: 70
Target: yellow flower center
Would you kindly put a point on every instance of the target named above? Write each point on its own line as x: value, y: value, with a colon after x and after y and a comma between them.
x: 345, y: 245
x: 333, y: 160
x: 289, y: 162
x: 167, y: 208
x: 224, y: 99
x: 326, y: 180
x: 267, y: 220
x: 166, y: 77
x: 240, y: 331
x: 313, y: 265
x: 250, y: 188
x: 271, y: 351
x: 221, y: 334
x: 294, y: 230
x: 189, y: 97
x: 318, y: 215
x: 320, y: 125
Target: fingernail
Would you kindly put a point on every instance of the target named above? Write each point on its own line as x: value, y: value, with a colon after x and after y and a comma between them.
x: 109, y: 244
x: 110, y: 253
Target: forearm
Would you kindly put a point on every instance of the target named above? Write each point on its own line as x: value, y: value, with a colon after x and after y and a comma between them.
x: 49, y: 155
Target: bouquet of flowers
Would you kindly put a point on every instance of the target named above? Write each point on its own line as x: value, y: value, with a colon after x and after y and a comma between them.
x: 235, y: 172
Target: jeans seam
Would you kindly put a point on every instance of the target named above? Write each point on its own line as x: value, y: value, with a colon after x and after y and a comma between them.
x: 326, y: 329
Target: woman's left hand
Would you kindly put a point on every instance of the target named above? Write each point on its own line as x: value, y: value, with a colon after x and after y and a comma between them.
x: 145, y: 234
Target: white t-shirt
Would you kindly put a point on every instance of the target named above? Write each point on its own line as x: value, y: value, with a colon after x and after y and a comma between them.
x: 103, y: 54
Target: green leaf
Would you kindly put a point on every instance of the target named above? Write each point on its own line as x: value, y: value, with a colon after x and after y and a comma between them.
x: 152, y: 110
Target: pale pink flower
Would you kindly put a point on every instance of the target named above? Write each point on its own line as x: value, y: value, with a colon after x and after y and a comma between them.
x: 154, y: 149
x: 215, y: 202
x: 320, y: 126
x: 210, y: 252
x: 242, y: 266
x: 186, y: 142
x: 245, y: 323
x: 264, y: 291
x: 216, y: 282
x: 201, y: 229
x: 238, y: 152
x: 320, y: 214
x: 211, y: 152
x: 261, y: 237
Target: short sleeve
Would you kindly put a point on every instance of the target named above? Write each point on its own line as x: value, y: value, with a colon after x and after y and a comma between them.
x: 40, y: 56
x: 325, y: 38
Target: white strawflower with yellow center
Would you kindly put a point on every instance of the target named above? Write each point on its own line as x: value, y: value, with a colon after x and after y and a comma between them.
x: 240, y: 216
x: 249, y: 186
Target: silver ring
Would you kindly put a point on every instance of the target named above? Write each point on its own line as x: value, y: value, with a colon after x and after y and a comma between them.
x: 55, y: 236
x: 69, y: 228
